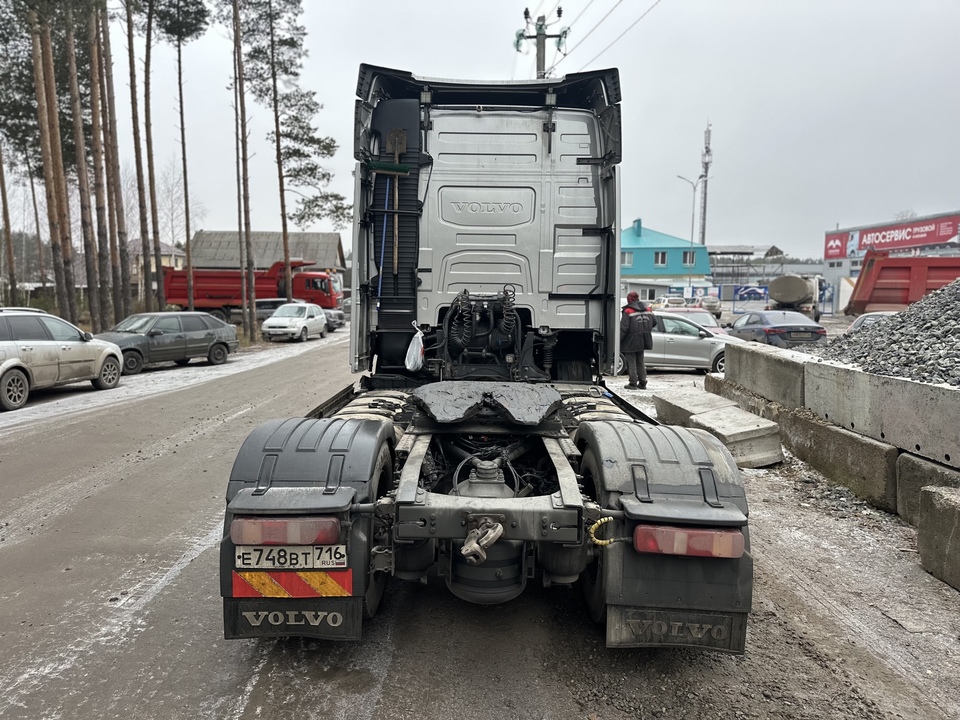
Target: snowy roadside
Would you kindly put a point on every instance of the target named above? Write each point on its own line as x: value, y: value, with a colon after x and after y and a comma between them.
x: 156, y: 380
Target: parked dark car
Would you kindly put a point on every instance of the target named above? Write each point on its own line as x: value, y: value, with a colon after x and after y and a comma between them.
x: 869, y: 319
x: 171, y: 336
x: 783, y: 328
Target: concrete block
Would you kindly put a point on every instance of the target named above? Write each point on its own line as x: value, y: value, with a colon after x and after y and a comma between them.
x: 674, y: 407
x: 753, y: 441
x: 867, y: 467
x: 938, y: 533
x: 746, y: 400
x: 892, y: 410
x: 914, y: 473
x: 770, y: 372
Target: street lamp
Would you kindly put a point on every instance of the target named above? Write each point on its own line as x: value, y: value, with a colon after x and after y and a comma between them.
x: 693, y: 218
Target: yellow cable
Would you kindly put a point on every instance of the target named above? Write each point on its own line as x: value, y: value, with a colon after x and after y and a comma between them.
x: 596, y: 526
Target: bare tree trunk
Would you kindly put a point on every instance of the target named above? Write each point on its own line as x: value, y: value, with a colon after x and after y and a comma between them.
x: 151, y: 174
x: 146, y: 274
x: 186, y: 186
x: 36, y: 220
x: 247, y: 331
x: 121, y: 252
x: 288, y: 276
x: 245, y: 174
x: 7, y: 235
x: 83, y: 180
x: 46, y: 152
x: 59, y: 174
x: 103, y: 242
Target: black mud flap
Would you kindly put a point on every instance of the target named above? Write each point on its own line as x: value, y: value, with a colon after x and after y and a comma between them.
x: 325, y: 618
x: 655, y: 627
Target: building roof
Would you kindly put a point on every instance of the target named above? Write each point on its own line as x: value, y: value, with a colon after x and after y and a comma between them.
x: 649, y: 238
x: 166, y: 249
x: 222, y: 248
x: 751, y: 250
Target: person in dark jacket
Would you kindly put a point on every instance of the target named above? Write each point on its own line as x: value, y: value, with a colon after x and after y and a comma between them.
x: 636, y: 328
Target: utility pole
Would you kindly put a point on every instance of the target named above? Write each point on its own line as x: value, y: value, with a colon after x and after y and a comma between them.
x: 707, y: 159
x: 541, y: 37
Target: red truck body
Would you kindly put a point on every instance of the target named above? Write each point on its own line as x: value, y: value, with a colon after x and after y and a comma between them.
x: 892, y: 283
x: 218, y: 290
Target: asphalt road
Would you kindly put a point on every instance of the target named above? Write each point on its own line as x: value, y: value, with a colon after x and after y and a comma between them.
x: 110, y: 608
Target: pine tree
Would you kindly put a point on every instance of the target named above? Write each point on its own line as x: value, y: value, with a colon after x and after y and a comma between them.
x: 181, y: 21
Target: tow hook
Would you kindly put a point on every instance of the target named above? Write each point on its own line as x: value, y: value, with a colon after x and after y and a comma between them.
x: 475, y: 545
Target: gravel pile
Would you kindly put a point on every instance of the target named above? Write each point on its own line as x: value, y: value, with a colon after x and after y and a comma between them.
x: 921, y: 343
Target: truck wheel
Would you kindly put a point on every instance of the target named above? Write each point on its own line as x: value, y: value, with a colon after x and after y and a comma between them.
x: 132, y: 362
x: 592, y: 578
x: 219, y: 314
x: 382, y: 478
x: 109, y: 376
x: 14, y: 389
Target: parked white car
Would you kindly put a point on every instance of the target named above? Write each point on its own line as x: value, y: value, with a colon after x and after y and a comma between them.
x: 295, y: 321
x: 39, y: 350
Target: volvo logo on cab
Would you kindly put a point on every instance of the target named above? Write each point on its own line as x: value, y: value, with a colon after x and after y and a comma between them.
x: 488, y: 208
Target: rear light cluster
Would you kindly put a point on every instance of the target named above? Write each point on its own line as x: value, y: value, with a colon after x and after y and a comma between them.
x: 285, y: 531
x: 774, y: 331
x: 820, y: 331
x: 693, y: 542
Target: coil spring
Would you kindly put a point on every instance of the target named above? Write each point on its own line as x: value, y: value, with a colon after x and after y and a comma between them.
x: 461, y: 325
x: 508, y: 322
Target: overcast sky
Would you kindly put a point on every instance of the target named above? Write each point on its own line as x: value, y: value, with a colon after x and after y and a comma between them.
x: 824, y: 112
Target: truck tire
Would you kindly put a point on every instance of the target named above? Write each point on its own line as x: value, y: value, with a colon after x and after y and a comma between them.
x: 14, y: 389
x: 219, y: 314
x: 592, y: 578
x: 132, y: 362
x: 381, y: 481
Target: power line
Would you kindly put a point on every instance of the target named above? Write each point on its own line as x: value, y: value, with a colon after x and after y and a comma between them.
x: 585, y: 8
x: 632, y: 25
x: 570, y: 51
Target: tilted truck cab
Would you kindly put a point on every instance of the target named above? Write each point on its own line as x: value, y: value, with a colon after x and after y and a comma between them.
x: 485, y: 232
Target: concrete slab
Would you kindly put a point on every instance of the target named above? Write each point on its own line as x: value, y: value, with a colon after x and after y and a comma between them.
x: 938, y: 533
x: 745, y: 400
x: 892, y: 410
x: 752, y: 441
x: 771, y: 372
x: 867, y: 467
x: 914, y: 473
x: 674, y: 407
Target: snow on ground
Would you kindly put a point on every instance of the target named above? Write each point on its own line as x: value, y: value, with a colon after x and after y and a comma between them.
x: 156, y: 380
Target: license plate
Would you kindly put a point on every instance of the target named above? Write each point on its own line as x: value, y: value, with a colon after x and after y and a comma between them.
x: 291, y: 557
x: 802, y: 335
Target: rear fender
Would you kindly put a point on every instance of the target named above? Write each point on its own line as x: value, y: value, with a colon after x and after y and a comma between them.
x: 671, y: 476
x: 305, y: 466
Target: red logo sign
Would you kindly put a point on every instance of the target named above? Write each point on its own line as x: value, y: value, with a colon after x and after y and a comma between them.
x: 853, y: 243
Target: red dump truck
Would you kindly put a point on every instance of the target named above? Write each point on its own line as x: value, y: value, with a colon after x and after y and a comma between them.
x: 218, y: 290
x: 891, y: 283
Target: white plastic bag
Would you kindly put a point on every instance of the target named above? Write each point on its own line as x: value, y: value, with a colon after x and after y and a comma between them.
x: 415, y: 351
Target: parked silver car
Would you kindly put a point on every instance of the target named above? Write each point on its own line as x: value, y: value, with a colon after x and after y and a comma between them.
x: 39, y: 350
x: 295, y: 321
x: 680, y: 343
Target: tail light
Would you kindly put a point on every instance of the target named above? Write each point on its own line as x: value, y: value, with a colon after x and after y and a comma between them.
x: 285, y: 531
x: 820, y: 331
x: 693, y: 542
x: 774, y: 331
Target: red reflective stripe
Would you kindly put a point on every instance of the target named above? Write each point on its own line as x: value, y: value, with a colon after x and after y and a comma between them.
x: 294, y: 584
